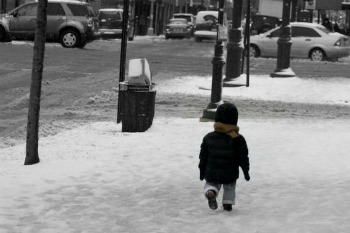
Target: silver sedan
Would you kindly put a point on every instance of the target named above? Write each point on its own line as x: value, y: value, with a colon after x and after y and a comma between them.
x: 309, y: 40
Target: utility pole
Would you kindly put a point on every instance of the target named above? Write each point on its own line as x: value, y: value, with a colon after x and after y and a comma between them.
x: 218, y: 63
x: 234, y: 45
x: 283, y: 69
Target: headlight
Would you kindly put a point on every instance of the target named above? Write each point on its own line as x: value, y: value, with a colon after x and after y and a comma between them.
x: 338, y: 43
x: 90, y: 22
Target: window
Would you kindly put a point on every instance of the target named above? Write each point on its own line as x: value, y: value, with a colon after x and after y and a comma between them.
x: 55, y: 9
x: 80, y: 10
x: 275, y: 33
x: 304, y: 32
x: 112, y: 15
x: 29, y: 10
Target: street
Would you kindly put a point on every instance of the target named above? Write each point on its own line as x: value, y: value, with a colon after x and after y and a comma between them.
x: 80, y: 85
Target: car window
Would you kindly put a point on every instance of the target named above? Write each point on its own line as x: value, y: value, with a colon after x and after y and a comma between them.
x: 29, y: 10
x: 323, y: 29
x: 55, y: 9
x: 298, y: 31
x: 80, y: 10
x: 275, y: 33
x: 113, y: 15
x: 178, y: 22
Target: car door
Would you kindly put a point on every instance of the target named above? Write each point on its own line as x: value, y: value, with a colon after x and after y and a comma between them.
x: 302, y: 40
x: 23, y: 22
x: 56, y: 19
x: 269, y: 43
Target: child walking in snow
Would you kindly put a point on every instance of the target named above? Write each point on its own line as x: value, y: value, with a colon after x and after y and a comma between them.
x: 222, y: 152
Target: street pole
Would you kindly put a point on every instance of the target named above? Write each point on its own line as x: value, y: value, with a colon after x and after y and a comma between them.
x: 151, y: 29
x: 123, y: 51
x: 294, y: 10
x: 283, y: 69
x: 218, y: 63
x: 235, y: 44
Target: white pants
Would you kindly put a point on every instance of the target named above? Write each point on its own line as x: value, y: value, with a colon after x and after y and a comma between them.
x: 229, y: 194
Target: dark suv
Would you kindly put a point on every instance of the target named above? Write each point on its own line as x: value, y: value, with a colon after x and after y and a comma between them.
x: 263, y: 23
x: 72, y: 23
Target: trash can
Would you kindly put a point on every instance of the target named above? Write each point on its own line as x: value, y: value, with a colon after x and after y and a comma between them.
x: 137, y: 98
x: 137, y: 105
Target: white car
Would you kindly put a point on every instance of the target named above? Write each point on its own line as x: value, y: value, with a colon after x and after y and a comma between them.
x: 206, y: 26
x: 309, y: 40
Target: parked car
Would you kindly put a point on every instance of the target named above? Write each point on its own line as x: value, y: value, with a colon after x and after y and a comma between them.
x: 263, y: 23
x: 309, y: 40
x: 189, y: 17
x: 111, y: 23
x: 72, y: 23
x: 206, y: 25
x: 178, y: 28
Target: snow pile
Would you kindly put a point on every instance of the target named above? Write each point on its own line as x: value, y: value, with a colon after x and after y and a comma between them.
x: 318, y: 91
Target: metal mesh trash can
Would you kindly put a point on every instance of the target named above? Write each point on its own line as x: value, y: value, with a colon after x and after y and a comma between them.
x: 137, y: 105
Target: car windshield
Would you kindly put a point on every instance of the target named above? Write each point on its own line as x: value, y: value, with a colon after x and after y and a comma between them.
x: 322, y: 28
x: 187, y: 17
x: 113, y: 15
x: 178, y: 21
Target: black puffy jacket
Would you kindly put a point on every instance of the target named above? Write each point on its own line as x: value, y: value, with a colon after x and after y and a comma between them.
x: 221, y: 156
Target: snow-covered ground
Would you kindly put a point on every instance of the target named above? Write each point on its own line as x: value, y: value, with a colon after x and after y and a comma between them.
x: 96, y: 178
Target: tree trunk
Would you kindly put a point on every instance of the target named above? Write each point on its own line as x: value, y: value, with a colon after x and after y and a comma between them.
x: 32, y: 155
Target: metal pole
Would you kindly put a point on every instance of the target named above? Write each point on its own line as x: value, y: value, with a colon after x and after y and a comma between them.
x: 218, y: 63
x: 247, y: 33
x: 294, y: 10
x: 234, y: 45
x: 151, y: 29
x: 123, y: 51
x: 283, y: 69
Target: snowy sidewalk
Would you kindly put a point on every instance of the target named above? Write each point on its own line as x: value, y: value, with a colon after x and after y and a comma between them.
x: 98, y: 179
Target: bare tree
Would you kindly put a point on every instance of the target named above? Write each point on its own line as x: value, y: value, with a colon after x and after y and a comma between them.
x: 32, y: 155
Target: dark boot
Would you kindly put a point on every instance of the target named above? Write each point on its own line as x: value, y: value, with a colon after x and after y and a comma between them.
x: 227, y: 207
x: 211, y: 196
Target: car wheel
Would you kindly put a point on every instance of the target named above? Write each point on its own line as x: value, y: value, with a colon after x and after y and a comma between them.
x: 69, y: 39
x: 254, y: 51
x: 317, y: 55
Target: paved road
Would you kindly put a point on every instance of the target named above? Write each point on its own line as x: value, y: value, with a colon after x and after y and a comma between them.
x: 79, y: 84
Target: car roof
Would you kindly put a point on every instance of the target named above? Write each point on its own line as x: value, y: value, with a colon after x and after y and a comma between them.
x: 110, y: 9
x: 301, y: 23
x: 185, y: 14
x: 207, y: 12
x: 73, y: 1
x: 179, y: 19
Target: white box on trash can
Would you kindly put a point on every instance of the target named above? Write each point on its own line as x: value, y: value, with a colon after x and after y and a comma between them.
x: 139, y: 72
